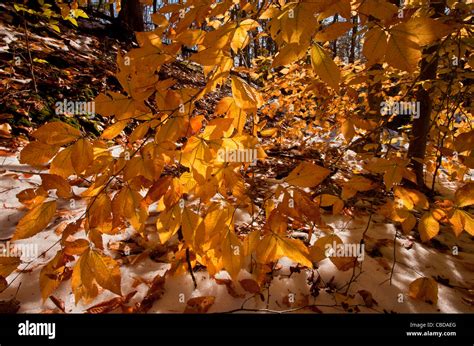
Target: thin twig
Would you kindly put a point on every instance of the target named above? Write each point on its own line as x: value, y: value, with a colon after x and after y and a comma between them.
x: 29, y: 54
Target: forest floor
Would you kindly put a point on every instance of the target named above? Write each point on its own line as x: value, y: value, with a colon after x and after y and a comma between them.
x: 80, y: 63
x: 380, y: 285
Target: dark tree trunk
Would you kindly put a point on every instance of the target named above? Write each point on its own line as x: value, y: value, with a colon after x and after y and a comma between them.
x: 421, y: 125
x: 334, y: 43
x: 353, y: 40
x: 131, y: 16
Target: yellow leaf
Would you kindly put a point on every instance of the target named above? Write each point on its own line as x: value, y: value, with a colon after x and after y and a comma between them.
x: 8, y: 265
x: 199, y: 305
x: 411, y: 198
x: 464, y: 141
x: 228, y: 107
x: 100, y: 211
x: 325, y: 67
x: 114, y: 130
x: 348, y: 130
x: 326, y: 200
x: 232, y: 253
x: 317, y: 252
x: 425, y: 289
x: 409, y: 223
x: 307, y: 174
x: 62, y: 163
x: 190, y: 221
x: 333, y: 31
x: 246, y: 97
x: 35, y: 220
x: 379, y: 9
x: 83, y: 155
x: 428, y: 227
x: 295, y: 23
x: 55, y: 182
x: 393, y: 170
x: 355, y: 184
x: 462, y: 220
x: 273, y: 247
x: 465, y: 195
x: 37, y: 153
x: 52, y: 274
x: 241, y: 39
x: 403, y: 51
x: 139, y: 132
x: 56, y: 133
x: 375, y: 45
x: 270, y: 132
x: 426, y: 30
x: 91, y: 269
x: 290, y: 53
x: 168, y: 223
x: 294, y: 249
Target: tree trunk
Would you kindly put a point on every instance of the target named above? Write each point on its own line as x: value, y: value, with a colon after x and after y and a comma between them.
x: 353, y: 40
x: 334, y: 43
x: 131, y: 16
x: 421, y: 125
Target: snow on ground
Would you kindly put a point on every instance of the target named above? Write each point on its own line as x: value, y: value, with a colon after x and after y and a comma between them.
x: 454, y: 273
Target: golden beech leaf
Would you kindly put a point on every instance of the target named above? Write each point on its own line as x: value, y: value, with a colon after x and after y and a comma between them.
x: 246, y: 97
x: 232, y: 253
x: 348, y: 130
x: 139, y: 132
x: 411, y: 198
x: 273, y: 247
x: 333, y: 31
x: 428, y: 227
x: 32, y: 197
x: 114, y: 130
x: 425, y: 289
x: 58, y: 183
x: 375, y: 45
x: 100, y: 212
x: 296, y: 22
x: 56, y: 133
x: 82, y: 154
x: 35, y: 220
x: 380, y: 9
x: 426, y: 30
x: 290, y: 53
x: 461, y: 220
x: 92, y: 269
x: 355, y: 184
x: 307, y: 174
x: 394, y: 170
x: 465, y: 195
x: 199, y: 305
x: 190, y: 222
x: 38, y: 153
x: 403, y: 51
x: 228, y: 106
x: 62, y: 163
x: 250, y: 285
x: 326, y: 200
x: 8, y: 265
x: 53, y: 273
x: 464, y: 141
x: 240, y: 38
x: 320, y: 251
x: 317, y: 252
x: 168, y: 223
x: 408, y: 223
x: 325, y: 67
x: 76, y: 247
